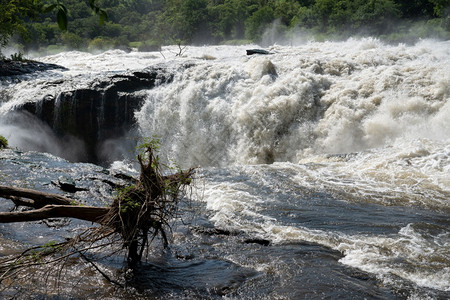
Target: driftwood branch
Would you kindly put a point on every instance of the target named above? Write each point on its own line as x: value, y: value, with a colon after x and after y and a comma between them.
x: 47, y: 206
x: 21, y: 202
x: 50, y: 205
x: 86, y: 213
x: 138, y: 213
x: 40, y: 199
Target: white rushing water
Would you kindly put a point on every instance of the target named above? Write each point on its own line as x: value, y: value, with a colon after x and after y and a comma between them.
x: 366, y: 122
x: 318, y: 98
x: 418, y: 252
x: 385, y: 109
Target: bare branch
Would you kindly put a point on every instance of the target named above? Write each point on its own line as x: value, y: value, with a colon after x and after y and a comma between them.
x: 40, y: 198
x: 86, y: 213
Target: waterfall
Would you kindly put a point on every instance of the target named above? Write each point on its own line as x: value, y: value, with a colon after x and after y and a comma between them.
x: 97, y: 115
x: 329, y: 98
x: 217, y: 106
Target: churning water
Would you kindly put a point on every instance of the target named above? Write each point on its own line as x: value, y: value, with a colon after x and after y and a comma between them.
x: 335, y: 154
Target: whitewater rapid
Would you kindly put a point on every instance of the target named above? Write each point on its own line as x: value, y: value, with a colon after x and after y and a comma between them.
x: 317, y: 98
x: 358, y: 130
x: 361, y: 120
x: 224, y: 107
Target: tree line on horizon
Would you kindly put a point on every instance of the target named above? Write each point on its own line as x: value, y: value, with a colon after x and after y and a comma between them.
x: 148, y: 24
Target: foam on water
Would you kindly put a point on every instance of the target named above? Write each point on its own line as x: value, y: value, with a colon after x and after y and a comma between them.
x: 411, y: 255
x: 119, y: 61
x: 229, y: 108
x: 359, y: 121
x: 414, y: 173
x: 363, y: 121
x: 317, y: 98
x: 417, y: 252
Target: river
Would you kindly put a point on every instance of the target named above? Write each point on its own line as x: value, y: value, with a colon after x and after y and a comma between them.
x: 323, y: 168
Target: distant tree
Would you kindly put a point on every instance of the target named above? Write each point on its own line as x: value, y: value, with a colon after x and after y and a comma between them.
x: 225, y: 19
x: 287, y: 11
x: 16, y: 12
x: 256, y: 23
x: 13, y: 13
x: 375, y: 14
x: 73, y: 41
x: 134, y: 23
x: 195, y: 19
x: 423, y: 9
x: 440, y: 6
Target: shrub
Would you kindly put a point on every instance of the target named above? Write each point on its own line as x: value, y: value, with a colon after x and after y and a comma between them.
x: 100, y: 44
x: 73, y: 41
x: 3, y: 142
x: 17, y: 57
x: 237, y: 42
x: 149, y: 46
x: 54, y: 49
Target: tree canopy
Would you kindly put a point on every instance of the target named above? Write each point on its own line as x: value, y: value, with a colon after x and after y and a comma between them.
x: 17, y: 14
x: 12, y: 16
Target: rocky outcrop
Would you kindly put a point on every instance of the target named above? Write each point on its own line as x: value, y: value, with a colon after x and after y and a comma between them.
x: 100, y: 111
x: 14, y: 68
x: 258, y: 51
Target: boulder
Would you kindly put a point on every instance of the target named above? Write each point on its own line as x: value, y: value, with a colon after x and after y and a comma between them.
x: 258, y: 51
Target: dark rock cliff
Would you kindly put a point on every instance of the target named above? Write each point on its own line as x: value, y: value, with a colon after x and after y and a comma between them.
x: 100, y: 111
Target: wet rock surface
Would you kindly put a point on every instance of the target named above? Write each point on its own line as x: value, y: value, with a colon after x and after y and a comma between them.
x: 15, y: 68
x: 40, y: 171
x: 97, y: 111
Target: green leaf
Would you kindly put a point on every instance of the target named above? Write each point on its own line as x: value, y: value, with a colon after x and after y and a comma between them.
x: 63, y: 8
x: 103, y: 17
x: 61, y: 18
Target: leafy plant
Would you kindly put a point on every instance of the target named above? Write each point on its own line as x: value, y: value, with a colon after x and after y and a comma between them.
x: 61, y: 13
x: 17, y: 57
x: 153, y: 143
x: 16, y: 16
x: 149, y: 46
x: 3, y: 142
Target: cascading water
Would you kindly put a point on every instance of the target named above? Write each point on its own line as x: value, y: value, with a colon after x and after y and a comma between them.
x: 95, y: 110
x: 336, y: 154
x: 319, y: 98
x: 360, y: 120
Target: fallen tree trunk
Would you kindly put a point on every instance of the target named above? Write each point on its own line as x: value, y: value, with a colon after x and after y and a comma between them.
x: 138, y: 213
x: 86, y: 213
x: 40, y: 199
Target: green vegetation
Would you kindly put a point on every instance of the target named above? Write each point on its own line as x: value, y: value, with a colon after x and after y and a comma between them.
x: 3, y: 142
x: 12, y: 17
x: 17, y: 15
x: 148, y: 24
